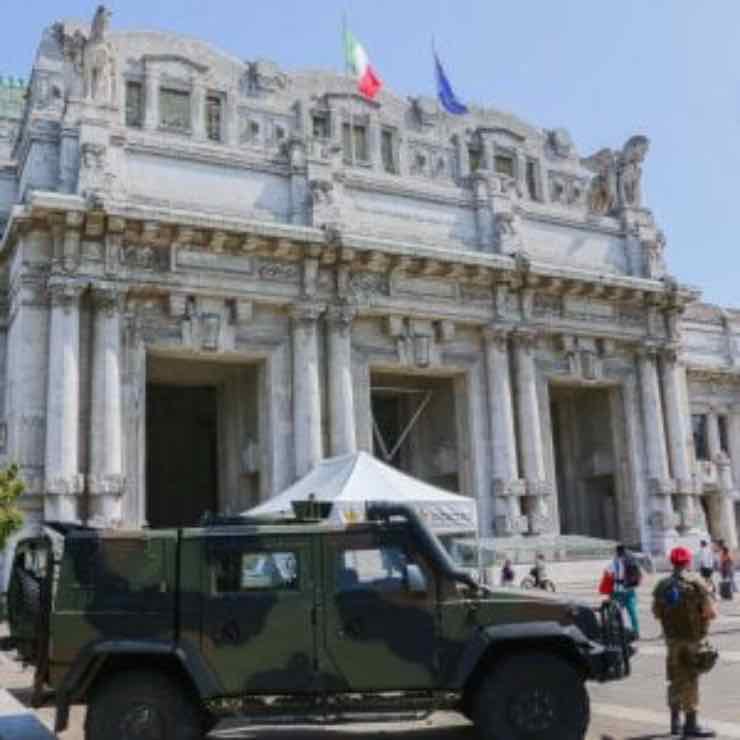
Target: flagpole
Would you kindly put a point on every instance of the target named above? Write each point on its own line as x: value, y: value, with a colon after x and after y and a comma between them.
x: 350, y: 154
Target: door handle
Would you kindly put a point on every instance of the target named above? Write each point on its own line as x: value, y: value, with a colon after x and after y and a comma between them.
x: 353, y: 628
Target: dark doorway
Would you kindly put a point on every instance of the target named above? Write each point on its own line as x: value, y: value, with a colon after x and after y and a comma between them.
x: 182, y: 454
x: 415, y: 426
x: 585, y: 461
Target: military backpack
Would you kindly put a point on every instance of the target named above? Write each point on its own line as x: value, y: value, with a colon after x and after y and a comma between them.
x: 683, y: 605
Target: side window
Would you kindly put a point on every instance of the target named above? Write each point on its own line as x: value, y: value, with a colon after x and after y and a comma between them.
x: 239, y: 572
x: 372, y: 569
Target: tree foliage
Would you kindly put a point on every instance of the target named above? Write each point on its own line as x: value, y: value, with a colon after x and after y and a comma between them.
x: 11, y: 488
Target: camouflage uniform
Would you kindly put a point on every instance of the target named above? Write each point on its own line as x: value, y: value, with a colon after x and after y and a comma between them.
x: 685, y: 625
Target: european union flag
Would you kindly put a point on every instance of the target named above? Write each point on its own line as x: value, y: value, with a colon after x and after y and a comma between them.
x: 445, y: 92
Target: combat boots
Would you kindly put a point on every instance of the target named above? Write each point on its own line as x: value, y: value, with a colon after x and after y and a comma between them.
x: 692, y: 728
x: 676, y: 722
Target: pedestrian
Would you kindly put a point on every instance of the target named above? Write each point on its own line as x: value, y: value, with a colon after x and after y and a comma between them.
x: 726, y: 573
x: 539, y: 570
x: 507, y: 573
x: 627, y: 578
x: 683, y: 605
x: 706, y: 564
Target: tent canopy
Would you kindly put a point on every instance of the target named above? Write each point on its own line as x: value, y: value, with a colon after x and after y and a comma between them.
x: 350, y: 481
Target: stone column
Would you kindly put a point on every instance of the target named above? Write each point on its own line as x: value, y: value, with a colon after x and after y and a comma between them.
x: 151, y: 100
x: 198, y: 111
x: 662, y: 518
x: 342, y: 433
x: 105, y: 480
x: 506, y: 488
x: 63, y: 480
x: 678, y: 430
x: 722, y: 503
x: 531, y: 447
x: 306, y: 387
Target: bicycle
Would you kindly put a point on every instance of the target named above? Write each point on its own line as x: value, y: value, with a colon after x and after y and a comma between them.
x: 545, y: 584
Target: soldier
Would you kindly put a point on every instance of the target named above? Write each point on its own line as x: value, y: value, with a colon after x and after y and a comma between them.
x: 684, y: 607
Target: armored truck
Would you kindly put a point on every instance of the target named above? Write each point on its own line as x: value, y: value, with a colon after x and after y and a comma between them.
x: 162, y: 633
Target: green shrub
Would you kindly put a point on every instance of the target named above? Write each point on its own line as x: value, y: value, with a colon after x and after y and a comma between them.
x: 11, y: 517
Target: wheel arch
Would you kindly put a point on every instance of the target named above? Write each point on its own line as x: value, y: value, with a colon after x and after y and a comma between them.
x: 494, y: 645
x: 100, y: 661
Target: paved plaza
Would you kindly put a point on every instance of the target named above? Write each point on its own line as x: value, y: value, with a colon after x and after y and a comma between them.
x: 628, y: 710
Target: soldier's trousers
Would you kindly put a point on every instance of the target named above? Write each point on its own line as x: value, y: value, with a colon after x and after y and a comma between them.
x: 683, y: 678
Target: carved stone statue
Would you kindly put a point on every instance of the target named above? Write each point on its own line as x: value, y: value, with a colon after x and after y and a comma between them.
x: 630, y: 171
x: 507, y: 232
x: 100, y: 24
x: 655, y: 265
x: 602, y: 194
x: 560, y: 142
x: 99, y: 65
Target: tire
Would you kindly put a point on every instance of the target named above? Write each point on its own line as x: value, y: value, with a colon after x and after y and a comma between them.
x: 534, y: 696
x: 143, y: 705
x: 527, y: 582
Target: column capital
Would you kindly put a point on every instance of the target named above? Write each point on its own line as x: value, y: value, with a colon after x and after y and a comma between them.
x: 339, y: 317
x: 306, y: 312
x: 107, y: 298
x: 64, y: 293
x: 647, y: 351
x: 497, y: 335
x: 671, y: 353
x: 525, y: 338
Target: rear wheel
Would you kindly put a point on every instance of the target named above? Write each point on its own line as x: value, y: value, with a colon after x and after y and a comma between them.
x: 142, y: 705
x: 548, y: 585
x: 536, y: 696
x: 527, y: 582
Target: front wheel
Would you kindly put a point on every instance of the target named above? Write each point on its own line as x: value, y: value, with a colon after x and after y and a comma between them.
x: 535, y: 696
x: 142, y: 705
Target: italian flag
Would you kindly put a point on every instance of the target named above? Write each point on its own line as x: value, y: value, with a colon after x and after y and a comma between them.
x: 368, y: 82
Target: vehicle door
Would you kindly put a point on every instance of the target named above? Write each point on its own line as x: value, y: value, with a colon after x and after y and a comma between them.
x: 259, y: 595
x: 379, y: 609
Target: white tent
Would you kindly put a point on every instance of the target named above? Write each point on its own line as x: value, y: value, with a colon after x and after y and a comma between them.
x: 349, y: 481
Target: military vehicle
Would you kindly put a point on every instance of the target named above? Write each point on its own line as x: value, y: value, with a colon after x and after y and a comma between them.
x: 164, y: 632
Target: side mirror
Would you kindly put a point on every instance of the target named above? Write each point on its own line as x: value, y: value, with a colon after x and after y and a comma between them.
x: 416, y: 583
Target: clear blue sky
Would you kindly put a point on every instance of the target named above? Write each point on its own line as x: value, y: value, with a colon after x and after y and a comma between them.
x: 603, y: 69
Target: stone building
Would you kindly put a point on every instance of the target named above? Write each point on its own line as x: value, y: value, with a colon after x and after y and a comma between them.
x: 216, y: 272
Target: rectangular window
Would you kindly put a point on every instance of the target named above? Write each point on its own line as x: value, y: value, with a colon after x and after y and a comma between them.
x: 134, y: 104
x: 504, y: 164
x: 354, y: 143
x: 724, y: 435
x: 213, y: 117
x: 372, y: 569
x: 475, y: 157
x: 321, y: 128
x: 174, y: 110
x: 237, y: 572
x: 532, y: 188
x: 387, y: 151
x: 699, y: 430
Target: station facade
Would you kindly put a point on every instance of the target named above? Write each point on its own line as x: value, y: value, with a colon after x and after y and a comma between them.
x: 215, y: 273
